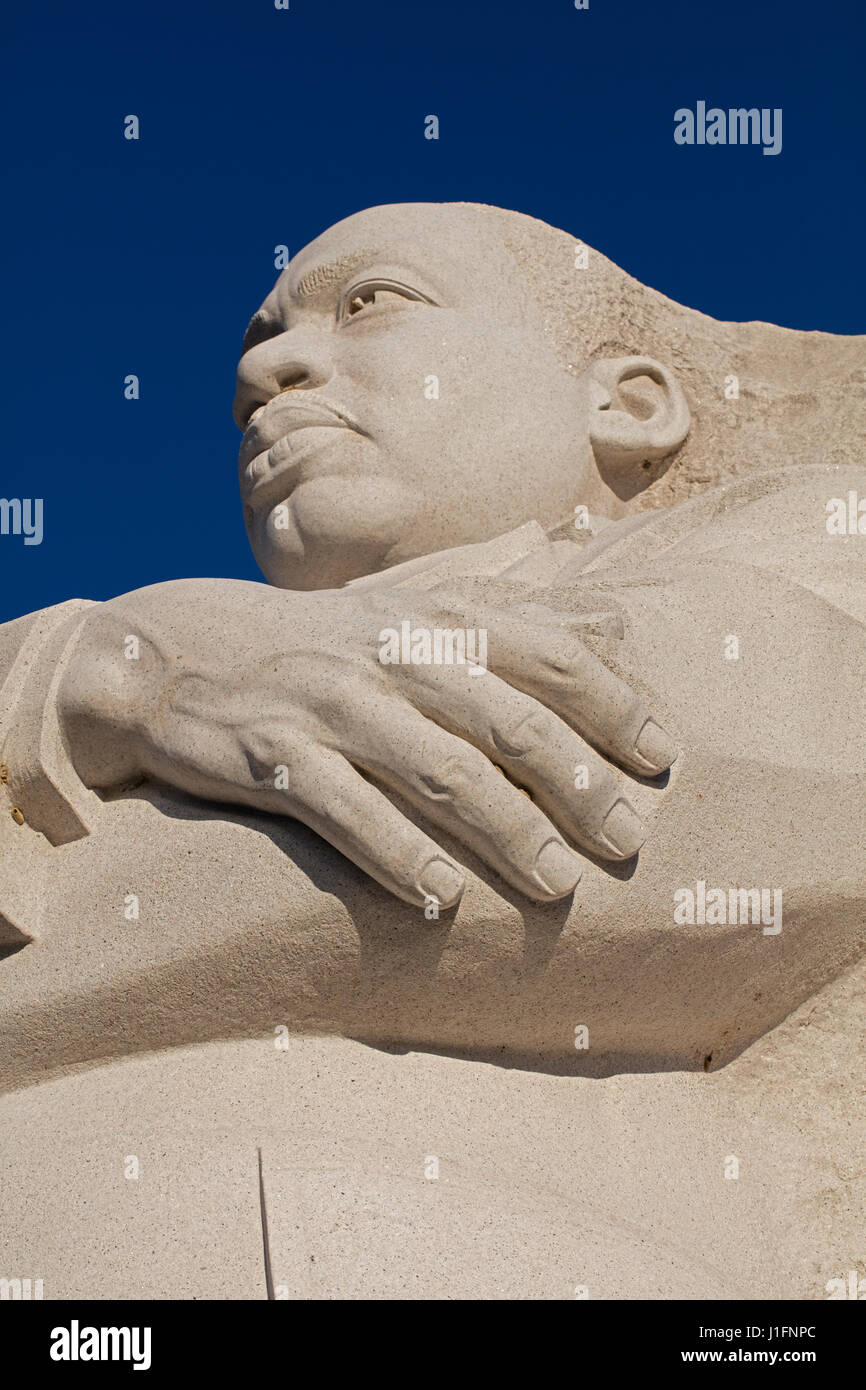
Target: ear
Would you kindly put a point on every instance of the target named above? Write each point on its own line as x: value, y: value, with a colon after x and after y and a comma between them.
x: 637, y: 414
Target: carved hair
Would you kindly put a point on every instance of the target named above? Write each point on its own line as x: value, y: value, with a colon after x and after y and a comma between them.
x: 801, y: 394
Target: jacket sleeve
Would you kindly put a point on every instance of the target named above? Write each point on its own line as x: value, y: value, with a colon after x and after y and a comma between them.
x: 43, y: 803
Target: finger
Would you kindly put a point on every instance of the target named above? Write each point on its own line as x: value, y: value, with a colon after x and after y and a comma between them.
x: 455, y: 786
x: 570, y: 679
x: 538, y: 651
x: 291, y: 776
x: 537, y: 749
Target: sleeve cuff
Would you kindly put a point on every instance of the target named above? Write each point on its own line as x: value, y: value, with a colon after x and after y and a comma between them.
x: 43, y: 802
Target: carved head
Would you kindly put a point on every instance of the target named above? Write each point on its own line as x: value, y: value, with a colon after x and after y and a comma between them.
x: 400, y: 393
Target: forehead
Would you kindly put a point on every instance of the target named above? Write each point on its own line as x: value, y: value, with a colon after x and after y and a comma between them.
x: 458, y: 258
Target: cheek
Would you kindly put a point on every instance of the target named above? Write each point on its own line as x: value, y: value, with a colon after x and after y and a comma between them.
x: 419, y: 359
x: 439, y: 387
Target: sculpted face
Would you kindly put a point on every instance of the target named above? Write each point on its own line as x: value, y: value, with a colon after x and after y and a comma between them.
x: 398, y: 397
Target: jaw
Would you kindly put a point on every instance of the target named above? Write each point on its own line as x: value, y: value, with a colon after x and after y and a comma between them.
x: 333, y: 529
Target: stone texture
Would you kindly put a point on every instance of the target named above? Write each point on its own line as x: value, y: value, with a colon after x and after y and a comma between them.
x: 295, y: 914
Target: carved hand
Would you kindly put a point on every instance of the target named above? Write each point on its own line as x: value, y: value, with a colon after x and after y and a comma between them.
x: 238, y: 692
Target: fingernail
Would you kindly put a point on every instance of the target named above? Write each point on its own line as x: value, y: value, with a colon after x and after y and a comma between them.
x: 655, y: 746
x: 622, y: 829
x: 440, y: 880
x: 557, y: 869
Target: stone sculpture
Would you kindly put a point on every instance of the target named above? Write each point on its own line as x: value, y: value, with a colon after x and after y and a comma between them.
x: 540, y: 747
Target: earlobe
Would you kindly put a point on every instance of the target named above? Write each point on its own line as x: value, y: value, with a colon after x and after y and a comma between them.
x: 638, y: 413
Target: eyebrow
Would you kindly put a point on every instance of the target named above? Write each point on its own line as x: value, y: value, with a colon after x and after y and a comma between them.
x: 322, y: 277
x: 265, y: 323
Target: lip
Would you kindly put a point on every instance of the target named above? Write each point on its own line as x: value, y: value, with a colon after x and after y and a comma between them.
x: 281, y: 416
x: 268, y: 451
x: 270, y: 476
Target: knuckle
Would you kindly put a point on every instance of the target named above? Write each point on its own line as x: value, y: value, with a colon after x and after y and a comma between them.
x: 267, y: 749
x: 452, y: 779
x: 526, y: 729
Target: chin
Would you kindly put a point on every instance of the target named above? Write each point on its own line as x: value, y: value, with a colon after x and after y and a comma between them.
x: 331, y: 530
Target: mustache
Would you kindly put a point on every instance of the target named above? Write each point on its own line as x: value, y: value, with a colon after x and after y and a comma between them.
x: 281, y: 415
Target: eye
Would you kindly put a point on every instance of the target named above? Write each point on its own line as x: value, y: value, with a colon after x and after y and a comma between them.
x: 373, y: 296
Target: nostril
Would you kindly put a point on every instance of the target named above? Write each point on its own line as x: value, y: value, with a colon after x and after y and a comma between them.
x: 290, y: 381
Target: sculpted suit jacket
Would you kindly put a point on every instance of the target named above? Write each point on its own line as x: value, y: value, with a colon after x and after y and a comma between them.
x: 139, y: 1178
x: 150, y: 896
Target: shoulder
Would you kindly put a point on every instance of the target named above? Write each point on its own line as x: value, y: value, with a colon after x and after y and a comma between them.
x: 792, y: 504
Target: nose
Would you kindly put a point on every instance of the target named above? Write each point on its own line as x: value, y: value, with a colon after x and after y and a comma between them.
x: 286, y: 362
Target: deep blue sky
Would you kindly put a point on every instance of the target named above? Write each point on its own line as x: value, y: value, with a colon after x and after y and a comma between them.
x: 261, y: 127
